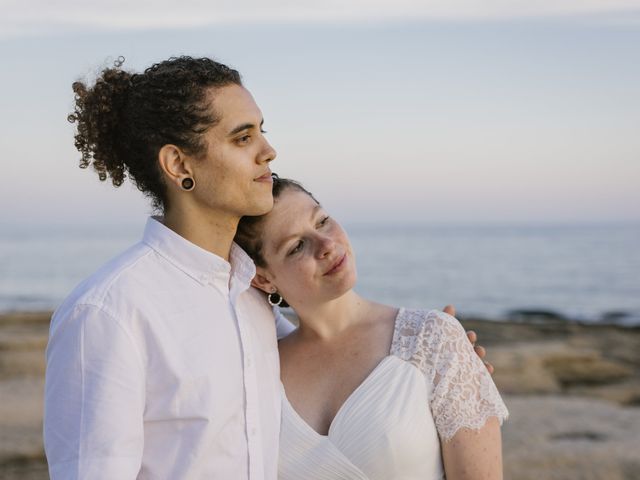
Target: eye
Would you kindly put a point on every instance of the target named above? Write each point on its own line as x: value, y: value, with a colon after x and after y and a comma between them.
x: 263, y: 131
x: 243, y: 139
x: 324, y: 221
x: 297, y: 248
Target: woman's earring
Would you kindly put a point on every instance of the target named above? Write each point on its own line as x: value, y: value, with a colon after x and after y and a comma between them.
x: 188, y: 184
x: 274, y: 299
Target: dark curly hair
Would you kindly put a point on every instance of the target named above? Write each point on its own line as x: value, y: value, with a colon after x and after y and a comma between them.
x: 249, y: 232
x: 126, y: 118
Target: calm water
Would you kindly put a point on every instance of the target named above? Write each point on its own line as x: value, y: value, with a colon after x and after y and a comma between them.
x: 582, y: 272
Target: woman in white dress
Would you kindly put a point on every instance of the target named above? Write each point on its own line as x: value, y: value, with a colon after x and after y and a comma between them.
x: 370, y: 391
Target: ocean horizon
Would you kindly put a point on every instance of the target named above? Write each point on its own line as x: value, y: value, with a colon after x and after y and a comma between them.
x: 582, y: 272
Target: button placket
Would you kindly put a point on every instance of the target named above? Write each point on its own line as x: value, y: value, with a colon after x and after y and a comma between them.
x: 251, y: 394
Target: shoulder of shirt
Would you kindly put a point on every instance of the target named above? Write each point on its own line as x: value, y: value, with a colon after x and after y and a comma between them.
x: 111, y: 278
x: 426, y: 330
x: 422, y: 320
x: 258, y: 300
x: 257, y: 294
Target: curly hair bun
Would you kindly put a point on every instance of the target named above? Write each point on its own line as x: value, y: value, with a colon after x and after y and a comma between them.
x: 98, y: 114
x: 126, y: 118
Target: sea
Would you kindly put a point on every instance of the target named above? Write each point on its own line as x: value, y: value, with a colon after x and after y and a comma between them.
x: 586, y: 273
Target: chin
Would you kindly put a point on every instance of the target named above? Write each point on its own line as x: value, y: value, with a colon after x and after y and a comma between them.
x: 348, y: 283
x: 353, y: 281
x: 353, y: 271
x: 261, y: 208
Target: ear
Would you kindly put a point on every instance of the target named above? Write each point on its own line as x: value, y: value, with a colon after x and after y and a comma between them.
x: 175, y: 164
x: 262, y: 281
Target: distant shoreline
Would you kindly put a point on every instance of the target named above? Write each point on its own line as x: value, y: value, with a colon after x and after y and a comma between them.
x: 519, y: 316
x: 572, y: 274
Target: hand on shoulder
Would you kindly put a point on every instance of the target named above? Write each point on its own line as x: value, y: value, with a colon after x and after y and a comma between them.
x: 473, y: 338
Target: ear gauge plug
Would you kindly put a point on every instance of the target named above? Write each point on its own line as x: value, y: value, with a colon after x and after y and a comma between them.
x: 188, y: 184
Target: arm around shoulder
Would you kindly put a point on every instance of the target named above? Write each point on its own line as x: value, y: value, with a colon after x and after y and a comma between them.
x: 94, y: 397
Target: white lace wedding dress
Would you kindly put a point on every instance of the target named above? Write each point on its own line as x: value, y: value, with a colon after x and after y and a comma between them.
x: 429, y: 386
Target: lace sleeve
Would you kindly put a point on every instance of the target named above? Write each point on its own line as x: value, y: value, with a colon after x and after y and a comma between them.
x: 463, y: 394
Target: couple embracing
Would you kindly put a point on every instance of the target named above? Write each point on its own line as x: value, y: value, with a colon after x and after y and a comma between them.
x: 165, y: 363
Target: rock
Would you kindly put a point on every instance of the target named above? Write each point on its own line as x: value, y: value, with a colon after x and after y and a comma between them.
x: 624, y: 393
x: 551, y: 367
x: 570, y: 438
x: 621, y: 318
x: 535, y: 316
x: 585, y: 367
x: 21, y: 448
x: 546, y: 371
x: 22, y: 349
x: 25, y: 470
x: 499, y: 333
x: 25, y: 318
x: 21, y: 362
x: 519, y: 369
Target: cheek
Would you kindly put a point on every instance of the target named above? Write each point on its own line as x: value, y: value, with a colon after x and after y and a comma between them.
x: 339, y: 233
x: 296, y: 276
x: 225, y: 167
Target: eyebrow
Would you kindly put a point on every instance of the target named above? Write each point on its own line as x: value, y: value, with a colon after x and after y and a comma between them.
x: 244, y: 126
x: 284, y: 241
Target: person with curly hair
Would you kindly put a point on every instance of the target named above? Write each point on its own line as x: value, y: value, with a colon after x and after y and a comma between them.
x: 164, y: 363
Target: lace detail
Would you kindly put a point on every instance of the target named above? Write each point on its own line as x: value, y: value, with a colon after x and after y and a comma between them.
x: 463, y: 394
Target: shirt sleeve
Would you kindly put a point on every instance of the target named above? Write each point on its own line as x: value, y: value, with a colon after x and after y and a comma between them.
x: 94, y: 398
x: 283, y: 326
x: 463, y: 393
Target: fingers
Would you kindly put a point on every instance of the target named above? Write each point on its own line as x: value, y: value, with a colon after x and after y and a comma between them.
x: 490, y: 368
x: 450, y: 309
x: 481, y: 352
x: 473, y: 338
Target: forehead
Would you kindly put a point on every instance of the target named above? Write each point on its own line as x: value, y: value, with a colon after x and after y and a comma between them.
x: 291, y: 210
x: 234, y: 104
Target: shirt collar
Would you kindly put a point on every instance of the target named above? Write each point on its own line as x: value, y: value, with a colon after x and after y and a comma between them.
x: 202, y: 265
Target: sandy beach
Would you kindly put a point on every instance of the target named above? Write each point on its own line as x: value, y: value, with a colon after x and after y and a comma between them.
x: 573, y: 392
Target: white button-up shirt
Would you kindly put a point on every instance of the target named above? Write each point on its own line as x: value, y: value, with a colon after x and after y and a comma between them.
x: 164, y: 365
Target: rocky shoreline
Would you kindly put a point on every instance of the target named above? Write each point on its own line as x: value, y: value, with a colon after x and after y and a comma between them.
x: 573, y: 391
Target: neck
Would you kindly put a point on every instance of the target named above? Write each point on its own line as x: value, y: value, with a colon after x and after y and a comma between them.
x: 209, y: 230
x: 331, y: 319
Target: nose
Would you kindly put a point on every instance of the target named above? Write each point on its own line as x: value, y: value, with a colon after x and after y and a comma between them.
x: 326, y: 245
x: 268, y: 153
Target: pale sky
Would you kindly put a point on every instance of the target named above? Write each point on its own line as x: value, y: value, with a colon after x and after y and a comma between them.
x: 24, y: 18
x: 410, y: 111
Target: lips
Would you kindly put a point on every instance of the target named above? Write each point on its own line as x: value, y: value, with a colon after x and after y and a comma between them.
x: 337, y: 265
x: 265, y: 178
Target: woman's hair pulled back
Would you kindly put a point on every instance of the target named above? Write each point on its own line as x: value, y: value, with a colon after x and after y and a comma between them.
x: 125, y: 118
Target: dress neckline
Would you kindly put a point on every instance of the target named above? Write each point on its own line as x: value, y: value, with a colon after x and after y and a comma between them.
x: 353, y: 394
